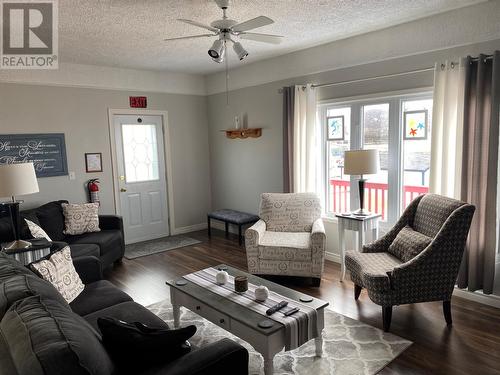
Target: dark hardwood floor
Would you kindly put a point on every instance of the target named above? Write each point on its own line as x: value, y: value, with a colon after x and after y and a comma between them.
x: 470, y: 346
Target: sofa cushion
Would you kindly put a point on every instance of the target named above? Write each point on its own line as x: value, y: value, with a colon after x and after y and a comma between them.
x: 289, y: 212
x: 8, y: 367
x: 105, y: 239
x: 127, y: 311
x: 51, y: 219
x: 85, y: 250
x: 58, y: 269
x: 10, y: 267
x: 408, y: 244
x: 23, y: 286
x: 46, y: 338
x: 285, y: 246
x: 370, y: 269
x: 81, y: 218
x: 97, y: 296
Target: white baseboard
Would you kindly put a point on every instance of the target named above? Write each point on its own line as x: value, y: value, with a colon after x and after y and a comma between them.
x: 485, y: 299
x: 333, y: 257
x: 189, y: 228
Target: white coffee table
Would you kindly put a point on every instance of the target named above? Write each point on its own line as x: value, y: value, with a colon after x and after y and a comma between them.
x: 237, y: 319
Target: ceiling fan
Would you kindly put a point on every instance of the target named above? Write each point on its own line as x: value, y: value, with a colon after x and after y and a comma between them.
x: 227, y: 30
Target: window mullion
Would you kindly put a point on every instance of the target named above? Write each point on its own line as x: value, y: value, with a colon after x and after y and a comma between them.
x: 394, y: 167
x: 356, y: 144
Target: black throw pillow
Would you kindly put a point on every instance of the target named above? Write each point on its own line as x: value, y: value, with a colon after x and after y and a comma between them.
x: 135, y: 345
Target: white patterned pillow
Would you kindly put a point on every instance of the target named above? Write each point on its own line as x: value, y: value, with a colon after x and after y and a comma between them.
x: 59, y: 270
x: 36, y: 231
x: 81, y: 218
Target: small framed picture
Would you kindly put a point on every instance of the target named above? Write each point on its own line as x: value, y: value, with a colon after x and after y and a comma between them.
x: 93, y: 162
x: 335, y: 128
x: 415, y: 125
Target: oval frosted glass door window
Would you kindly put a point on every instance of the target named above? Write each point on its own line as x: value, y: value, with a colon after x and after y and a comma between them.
x: 140, y: 153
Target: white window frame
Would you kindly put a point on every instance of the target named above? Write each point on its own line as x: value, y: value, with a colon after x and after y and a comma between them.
x: 395, y: 141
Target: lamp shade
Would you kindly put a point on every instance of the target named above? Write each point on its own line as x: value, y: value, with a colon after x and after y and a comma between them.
x: 17, y: 179
x: 360, y: 162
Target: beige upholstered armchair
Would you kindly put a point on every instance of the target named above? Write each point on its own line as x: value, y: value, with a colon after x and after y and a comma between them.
x: 289, y: 239
x: 418, y: 259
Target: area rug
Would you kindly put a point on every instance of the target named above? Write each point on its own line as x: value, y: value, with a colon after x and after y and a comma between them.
x: 349, y: 347
x: 141, y: 249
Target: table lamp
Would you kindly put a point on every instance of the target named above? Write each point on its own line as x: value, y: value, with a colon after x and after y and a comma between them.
x: 17, y: 179
x: 361, y: 162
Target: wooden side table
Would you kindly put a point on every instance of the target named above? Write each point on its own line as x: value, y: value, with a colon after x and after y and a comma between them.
x: 359, y: 224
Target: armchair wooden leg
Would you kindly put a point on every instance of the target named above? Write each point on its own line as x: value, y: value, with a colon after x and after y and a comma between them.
x: 386, y: 317
x: 357, y: 291
x: 447, y: 312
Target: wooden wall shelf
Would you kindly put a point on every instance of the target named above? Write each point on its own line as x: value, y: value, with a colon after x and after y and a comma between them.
x: 243, y: 133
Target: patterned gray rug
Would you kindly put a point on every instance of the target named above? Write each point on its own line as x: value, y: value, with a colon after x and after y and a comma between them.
x: 142, y: 249
x: 349, y: 348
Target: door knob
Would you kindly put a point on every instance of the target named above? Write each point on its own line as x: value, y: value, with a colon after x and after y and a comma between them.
x: 123, y: 190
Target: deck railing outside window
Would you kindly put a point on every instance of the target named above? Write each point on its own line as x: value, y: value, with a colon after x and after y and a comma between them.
x: 375, y: 196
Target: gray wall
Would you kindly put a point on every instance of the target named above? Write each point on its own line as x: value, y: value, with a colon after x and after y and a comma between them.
x: 82, y: 114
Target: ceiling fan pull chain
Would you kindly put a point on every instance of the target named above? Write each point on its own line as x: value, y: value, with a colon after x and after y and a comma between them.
x: 227, y: 74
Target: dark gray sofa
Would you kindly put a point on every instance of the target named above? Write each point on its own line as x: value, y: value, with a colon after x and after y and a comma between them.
x: 108, y: 245
x: 41, y: 334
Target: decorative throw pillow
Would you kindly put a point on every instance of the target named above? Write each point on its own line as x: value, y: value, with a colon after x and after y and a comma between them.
x: 81, y: 218
x: 132, y: 345
x: 36, y: 231
x: 408, y: 244
x: 59, y: 270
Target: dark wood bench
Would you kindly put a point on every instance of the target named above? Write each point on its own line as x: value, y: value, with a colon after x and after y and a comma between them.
x: 232, y: 217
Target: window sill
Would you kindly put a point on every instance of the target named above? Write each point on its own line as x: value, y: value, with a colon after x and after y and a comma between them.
x: 329, y: 218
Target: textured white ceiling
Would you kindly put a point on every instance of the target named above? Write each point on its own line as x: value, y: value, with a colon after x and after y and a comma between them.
x: 130, y: 33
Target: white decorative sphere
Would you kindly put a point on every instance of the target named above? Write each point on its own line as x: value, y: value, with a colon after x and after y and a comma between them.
x: 221, y: 277
x: 261, y: 293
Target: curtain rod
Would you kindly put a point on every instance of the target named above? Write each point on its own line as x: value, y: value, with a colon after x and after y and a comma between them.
x: 416, y: 71
x: 374, y: 78
x: 368, y: 78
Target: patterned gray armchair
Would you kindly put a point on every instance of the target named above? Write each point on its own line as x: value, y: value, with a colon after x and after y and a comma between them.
x: 289, y: 239
x: 418, y: 259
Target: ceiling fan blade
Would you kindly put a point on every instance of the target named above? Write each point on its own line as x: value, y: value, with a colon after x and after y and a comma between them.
x: 198, y: 24
x: 189, y: 37
x: 252, y: 24
x: 264, y: 38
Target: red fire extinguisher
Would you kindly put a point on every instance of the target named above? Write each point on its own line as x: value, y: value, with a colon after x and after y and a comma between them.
x: 93, y: 190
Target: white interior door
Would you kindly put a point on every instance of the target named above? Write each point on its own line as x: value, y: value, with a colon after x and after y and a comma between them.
x: 142, y: 179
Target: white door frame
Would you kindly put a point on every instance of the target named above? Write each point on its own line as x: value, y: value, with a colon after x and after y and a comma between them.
x: 168, y: 157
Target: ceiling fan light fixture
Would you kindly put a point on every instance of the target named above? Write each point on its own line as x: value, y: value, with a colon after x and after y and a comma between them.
x: 239, y: 50
x: 217, y: 49
x: 219, y: 60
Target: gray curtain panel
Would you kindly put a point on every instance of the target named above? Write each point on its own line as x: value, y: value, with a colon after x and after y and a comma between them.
x: 288, y: 109
x: 480, y: 170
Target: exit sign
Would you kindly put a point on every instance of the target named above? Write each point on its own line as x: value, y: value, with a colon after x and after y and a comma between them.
x: 138, y: 101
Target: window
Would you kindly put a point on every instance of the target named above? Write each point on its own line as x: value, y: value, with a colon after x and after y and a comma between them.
x: 376, y: 136
x: 399, y: 127
x: 140, y: 153
x: 416, y: 148
x: 338, y: 141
